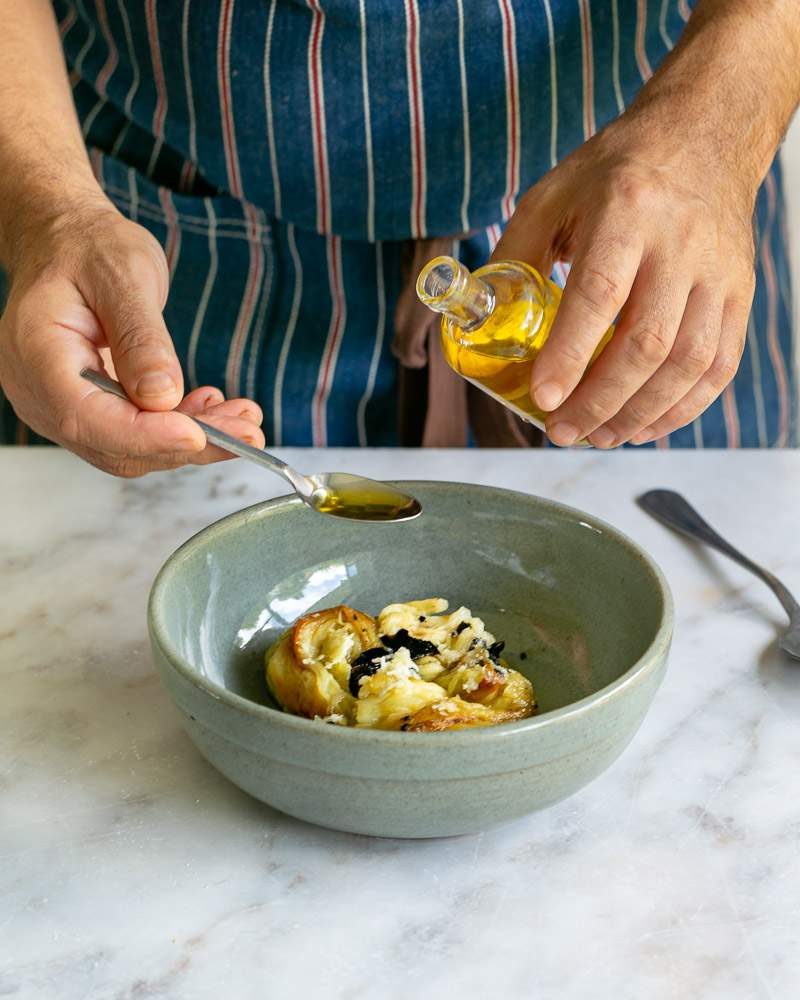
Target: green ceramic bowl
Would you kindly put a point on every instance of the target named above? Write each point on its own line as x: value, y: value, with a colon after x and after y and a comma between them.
x: 585, y: 613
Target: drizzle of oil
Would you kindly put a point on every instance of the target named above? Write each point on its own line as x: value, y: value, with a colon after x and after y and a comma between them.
x: 365, y: 501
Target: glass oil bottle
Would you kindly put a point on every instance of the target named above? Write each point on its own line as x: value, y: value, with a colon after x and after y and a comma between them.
x: 495, y: 320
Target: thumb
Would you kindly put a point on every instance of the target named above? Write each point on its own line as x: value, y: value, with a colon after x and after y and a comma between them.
x: 128, y: 301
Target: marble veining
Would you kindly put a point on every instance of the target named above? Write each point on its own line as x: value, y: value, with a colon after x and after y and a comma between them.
x: 130, y: 869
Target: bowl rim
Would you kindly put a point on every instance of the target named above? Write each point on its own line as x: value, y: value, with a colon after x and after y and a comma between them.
x: 658, y: 645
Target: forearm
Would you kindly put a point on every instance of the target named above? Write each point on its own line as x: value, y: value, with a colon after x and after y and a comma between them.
x: 44, y: 167
x: 732, y: 83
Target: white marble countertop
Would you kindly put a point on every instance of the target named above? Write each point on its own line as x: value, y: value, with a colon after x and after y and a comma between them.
x: 131, y: 869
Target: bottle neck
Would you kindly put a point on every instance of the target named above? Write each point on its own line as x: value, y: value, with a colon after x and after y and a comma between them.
x: 447, y: 287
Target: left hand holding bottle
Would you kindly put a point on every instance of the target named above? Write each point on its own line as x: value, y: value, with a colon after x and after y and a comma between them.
x: 655, y: 214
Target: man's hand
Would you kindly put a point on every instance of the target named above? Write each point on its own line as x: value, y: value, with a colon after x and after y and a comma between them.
x: 91, y: 281
x: 84, y: 280
x: 651, y: 239
x: 655, y: 214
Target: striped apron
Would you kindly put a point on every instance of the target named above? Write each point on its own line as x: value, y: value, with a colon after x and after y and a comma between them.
x: 285, y: 152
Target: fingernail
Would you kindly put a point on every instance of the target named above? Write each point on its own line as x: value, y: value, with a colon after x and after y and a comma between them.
x: 563, y: 434
x: 548, y: 395
x: 155, y: 384
x: 642, y: 438
x: 189, y: 444
x: 602, y: 437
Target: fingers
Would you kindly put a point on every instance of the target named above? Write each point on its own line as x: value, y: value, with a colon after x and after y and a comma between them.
x: 599, y: 283
x: 642, y: 341
x: 127, y: 293
x: 159, y: 441
x: 110, y: 432
x: 131, y: 433
x: 691, y: 356
x: 48, y: 355
x: 241, y: 418
x: 105, y: 423
x: 712, y: 384
x: 237, y: 417
x: 200, y: 399
x: 109, y: 297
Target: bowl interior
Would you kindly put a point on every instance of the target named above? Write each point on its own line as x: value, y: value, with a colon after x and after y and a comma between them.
x: 576, y: 603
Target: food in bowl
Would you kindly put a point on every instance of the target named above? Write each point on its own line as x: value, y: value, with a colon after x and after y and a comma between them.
x: 588, y: 607
x: 414, y: 668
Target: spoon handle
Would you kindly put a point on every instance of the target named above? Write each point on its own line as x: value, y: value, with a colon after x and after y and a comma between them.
x: 673, y: 510
x: 215, y: 436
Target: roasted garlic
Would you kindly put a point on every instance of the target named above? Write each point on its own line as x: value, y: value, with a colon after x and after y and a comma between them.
x: 415, y: 669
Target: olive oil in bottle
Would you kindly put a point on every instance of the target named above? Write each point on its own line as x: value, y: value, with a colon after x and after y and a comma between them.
x: 494, y: 323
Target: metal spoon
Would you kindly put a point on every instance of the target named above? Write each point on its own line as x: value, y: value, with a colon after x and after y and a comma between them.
x: 671, y: 508
x: 338, y: 493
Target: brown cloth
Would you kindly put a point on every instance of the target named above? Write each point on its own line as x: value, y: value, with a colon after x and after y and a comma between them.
x: 437, y: 407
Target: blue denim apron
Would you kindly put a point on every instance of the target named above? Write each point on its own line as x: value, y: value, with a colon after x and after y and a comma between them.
x: 282, y: 151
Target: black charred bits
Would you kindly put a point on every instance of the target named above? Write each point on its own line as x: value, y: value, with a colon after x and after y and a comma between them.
x: 365, y: 665
x: 415, y: 647
x: 369, y: 656
x: 495, y: 650
x: 368, y: 663
x: 460, y: 628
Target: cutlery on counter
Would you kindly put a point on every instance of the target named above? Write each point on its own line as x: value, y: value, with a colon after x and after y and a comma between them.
x: 673, y: 510
x: 337, y: 493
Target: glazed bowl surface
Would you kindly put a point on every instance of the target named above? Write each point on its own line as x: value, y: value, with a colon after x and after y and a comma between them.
x: 585, y: 613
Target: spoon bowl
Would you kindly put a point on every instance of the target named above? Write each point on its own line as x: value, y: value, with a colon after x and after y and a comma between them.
x: 359, y: 499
